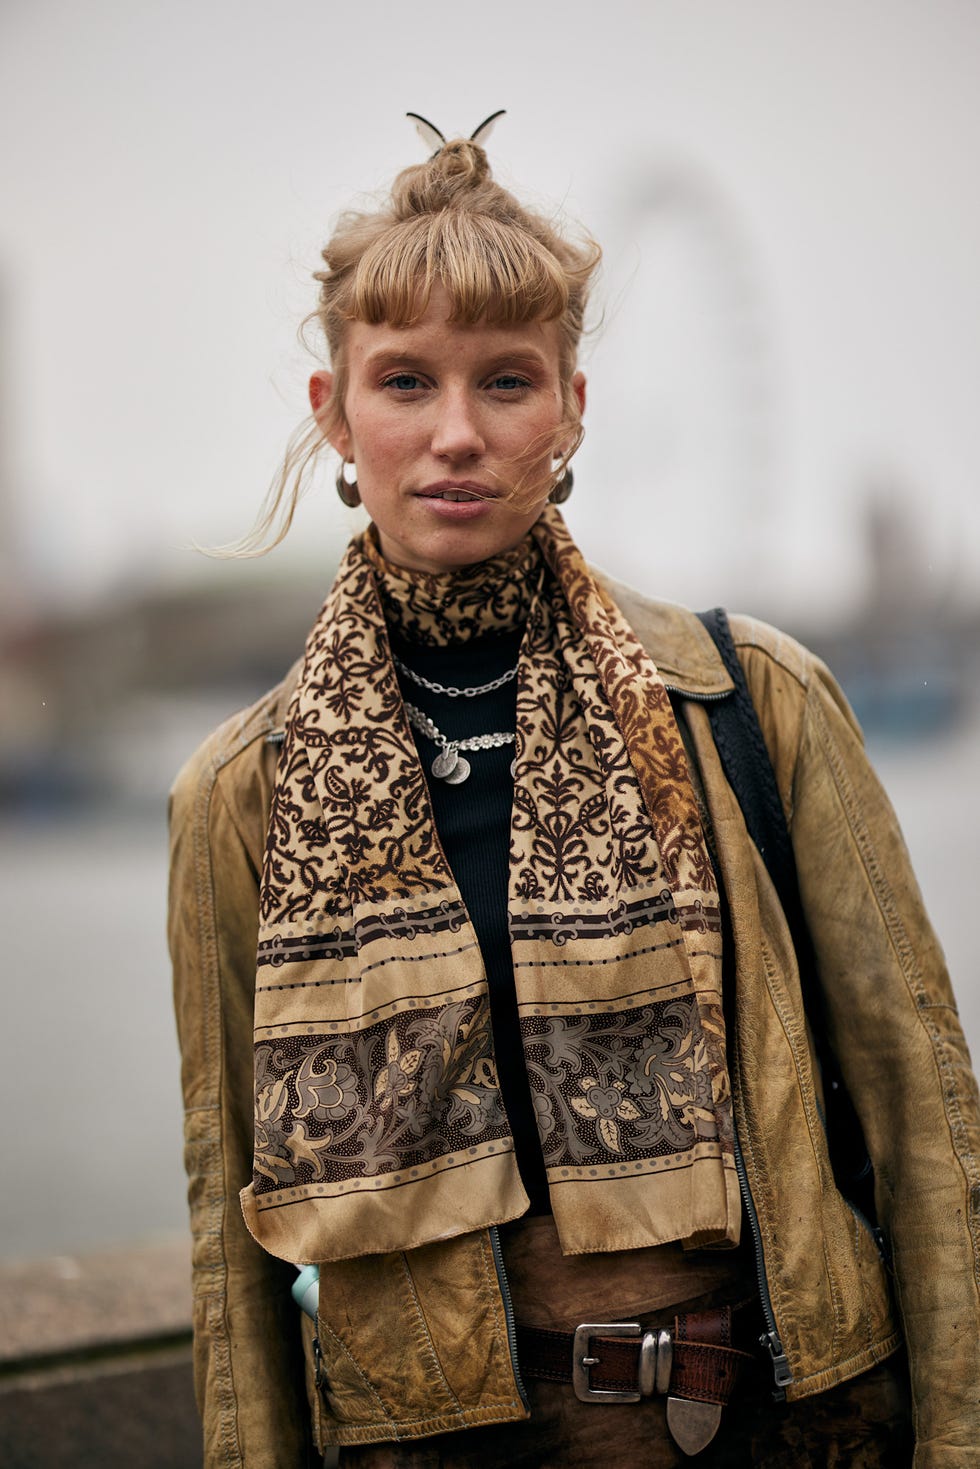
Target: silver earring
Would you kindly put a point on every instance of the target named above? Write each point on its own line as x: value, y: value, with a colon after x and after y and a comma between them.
x: 347, y: 489
x: 563, y: 487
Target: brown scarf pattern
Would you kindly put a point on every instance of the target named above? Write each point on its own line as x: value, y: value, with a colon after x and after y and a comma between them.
x: 379, y: 1124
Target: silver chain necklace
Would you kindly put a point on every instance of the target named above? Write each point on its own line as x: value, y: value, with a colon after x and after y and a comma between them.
x: 450, y: 689
x: 449, y: 765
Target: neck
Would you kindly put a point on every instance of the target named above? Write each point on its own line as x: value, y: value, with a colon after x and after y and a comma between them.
x: 493, y: 596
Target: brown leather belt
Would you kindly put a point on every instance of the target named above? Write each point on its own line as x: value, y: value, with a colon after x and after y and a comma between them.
x: 695, y: 1365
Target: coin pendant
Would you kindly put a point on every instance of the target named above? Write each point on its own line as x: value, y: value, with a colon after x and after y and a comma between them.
x: 445, y: 763
x: 459, y: 772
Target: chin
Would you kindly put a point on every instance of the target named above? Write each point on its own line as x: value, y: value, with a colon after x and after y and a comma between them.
x: 453, y: 552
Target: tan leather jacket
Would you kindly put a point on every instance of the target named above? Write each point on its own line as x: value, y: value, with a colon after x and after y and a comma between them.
x: 418, y: 1343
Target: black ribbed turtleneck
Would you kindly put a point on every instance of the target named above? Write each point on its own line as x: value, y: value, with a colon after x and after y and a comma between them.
x: 473, y: 823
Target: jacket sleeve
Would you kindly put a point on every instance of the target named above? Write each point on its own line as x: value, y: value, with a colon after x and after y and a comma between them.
x: 248, y: 1365
x: 893, y: 1022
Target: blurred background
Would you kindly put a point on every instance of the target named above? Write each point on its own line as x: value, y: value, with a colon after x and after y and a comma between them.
x: 782, y: 418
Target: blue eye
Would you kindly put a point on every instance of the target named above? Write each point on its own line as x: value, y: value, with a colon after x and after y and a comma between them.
x: 510, y: 382
x: 405, y: 382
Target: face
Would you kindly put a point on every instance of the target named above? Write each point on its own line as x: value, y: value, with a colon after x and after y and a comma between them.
x: 442, y: 421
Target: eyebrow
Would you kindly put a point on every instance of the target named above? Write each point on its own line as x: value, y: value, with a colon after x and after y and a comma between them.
x: 386, y: 357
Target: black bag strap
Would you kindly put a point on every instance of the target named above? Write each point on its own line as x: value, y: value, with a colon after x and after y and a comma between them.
x: 742, y: 749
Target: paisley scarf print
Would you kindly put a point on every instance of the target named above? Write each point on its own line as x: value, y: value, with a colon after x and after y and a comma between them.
x: 378, y: 1120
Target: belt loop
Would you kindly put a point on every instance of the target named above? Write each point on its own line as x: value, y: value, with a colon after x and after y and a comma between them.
x: 665, y: 1361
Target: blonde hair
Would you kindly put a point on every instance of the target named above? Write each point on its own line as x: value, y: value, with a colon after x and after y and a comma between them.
x: 446, y: 222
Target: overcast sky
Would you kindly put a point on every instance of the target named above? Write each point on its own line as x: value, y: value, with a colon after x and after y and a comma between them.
x: 787, y: 193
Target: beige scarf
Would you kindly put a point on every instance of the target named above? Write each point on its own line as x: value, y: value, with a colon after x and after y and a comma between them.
x: 378, y: 1119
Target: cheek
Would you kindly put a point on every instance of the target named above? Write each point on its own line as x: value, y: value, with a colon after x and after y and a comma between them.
x: 374, y: 438
x: 541, y: 433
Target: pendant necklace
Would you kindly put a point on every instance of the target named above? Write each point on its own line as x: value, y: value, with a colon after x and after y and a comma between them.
x: 449, y: 765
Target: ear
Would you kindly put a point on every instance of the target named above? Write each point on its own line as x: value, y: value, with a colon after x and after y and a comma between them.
x: 578, y: 391
x: 321, y: 401
x: 578, y: 388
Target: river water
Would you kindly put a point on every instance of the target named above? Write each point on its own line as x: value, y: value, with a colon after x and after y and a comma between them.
x: 90, y: 1083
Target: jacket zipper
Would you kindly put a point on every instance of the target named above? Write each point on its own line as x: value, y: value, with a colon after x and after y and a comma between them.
x: 770, y: 1339
x: 498, y: 1263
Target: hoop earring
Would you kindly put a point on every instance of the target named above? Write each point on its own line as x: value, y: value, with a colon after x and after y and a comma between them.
x: 347, y: 489
x: 562, y: 488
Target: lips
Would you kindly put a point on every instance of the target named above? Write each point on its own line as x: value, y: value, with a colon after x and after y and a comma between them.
x: 456, y: 493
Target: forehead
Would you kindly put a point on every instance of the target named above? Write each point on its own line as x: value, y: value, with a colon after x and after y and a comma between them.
x: 436, y: 335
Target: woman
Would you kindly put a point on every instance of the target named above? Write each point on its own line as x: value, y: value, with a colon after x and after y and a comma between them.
x: 530, y: 1056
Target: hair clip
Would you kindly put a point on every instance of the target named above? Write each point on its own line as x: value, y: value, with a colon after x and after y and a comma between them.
x: 428, y: 132
x: 434, y: 139
x: 480, y: 134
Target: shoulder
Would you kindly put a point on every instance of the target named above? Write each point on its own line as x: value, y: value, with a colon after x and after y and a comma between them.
x: 788, y: 683
x: 679, y: 644
x: 236, y: 765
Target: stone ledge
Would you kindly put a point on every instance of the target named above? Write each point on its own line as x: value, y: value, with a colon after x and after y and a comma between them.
x: 69, y: 1304
x: 95, y: 1361
x: 137, y: 1412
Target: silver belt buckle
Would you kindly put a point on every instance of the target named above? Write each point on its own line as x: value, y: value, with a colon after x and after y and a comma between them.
x: 653, y: 1373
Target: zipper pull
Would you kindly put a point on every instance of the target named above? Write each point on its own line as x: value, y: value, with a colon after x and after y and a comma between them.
x: 769, y: 1340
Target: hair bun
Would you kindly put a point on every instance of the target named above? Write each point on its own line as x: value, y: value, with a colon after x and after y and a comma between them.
x: 458, y: 169
x: 462, y: 158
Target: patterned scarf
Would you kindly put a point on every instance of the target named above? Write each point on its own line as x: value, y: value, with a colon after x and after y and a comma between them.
x: 378, y: 1120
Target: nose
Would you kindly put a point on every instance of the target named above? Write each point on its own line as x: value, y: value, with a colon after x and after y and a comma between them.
x: 456, y: 433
